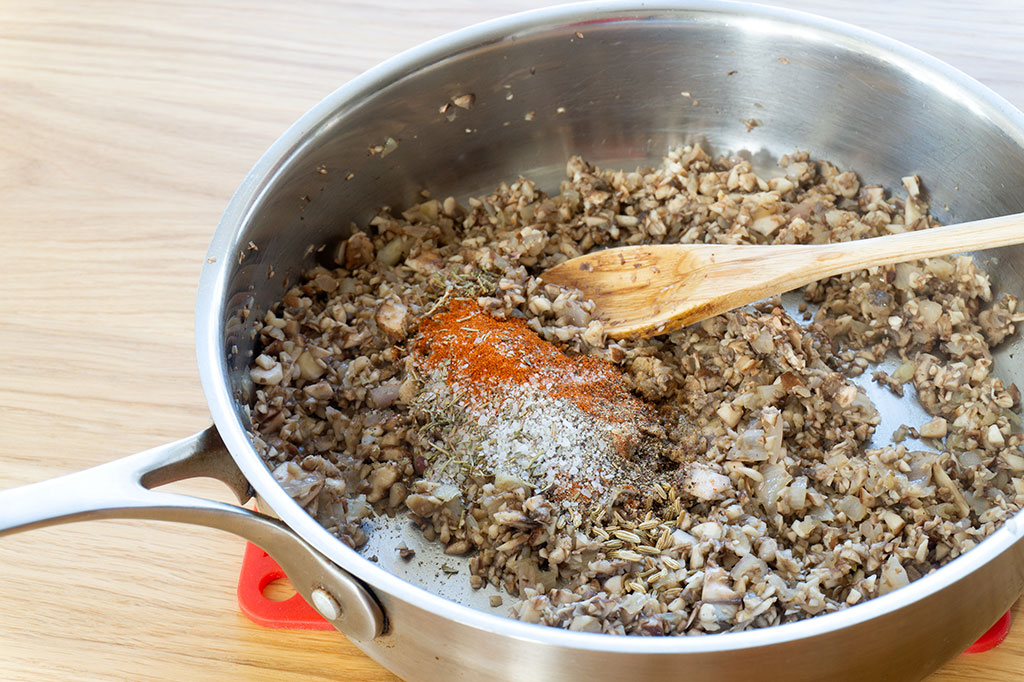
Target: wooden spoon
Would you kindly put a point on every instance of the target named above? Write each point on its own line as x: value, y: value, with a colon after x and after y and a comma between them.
x: 642, y: 291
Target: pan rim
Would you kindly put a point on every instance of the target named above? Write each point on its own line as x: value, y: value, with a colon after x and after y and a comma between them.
x: 209, y: 322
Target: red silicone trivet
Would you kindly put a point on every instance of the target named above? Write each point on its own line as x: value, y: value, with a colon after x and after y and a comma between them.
x: 259, y: 570
x: 993, y: 638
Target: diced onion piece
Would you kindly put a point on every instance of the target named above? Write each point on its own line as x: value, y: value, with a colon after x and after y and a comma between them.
x: 894, y: 576
x: 505, y: 481
x: 729, y: 414
x: 446, y: 492
x: 775, y: 479
x: 852, y: 507
x: 798, y: 493
x: 930, y: 310
x: 392, y: 253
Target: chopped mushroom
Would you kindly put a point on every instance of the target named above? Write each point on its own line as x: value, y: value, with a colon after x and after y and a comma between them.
x: 359, y: 251
x: 392, y: 318
x: 758, y: 493
x: 268, y: 377
x: 936, y: 428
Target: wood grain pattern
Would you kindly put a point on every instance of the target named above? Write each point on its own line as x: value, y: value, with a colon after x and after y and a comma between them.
x: 124, y: 129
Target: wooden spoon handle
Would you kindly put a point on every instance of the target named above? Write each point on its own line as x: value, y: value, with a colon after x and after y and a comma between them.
x: 835, y: 259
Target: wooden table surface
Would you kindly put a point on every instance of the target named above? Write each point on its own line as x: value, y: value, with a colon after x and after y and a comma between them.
x: 124, y: 129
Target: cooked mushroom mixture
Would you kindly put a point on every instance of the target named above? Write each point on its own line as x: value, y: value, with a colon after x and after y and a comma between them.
x: 718, y: 478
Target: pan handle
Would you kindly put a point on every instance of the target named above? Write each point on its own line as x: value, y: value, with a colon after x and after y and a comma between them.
x: 121, y: 489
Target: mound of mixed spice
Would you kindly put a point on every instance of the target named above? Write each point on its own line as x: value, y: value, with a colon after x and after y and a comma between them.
x: 714, y: 479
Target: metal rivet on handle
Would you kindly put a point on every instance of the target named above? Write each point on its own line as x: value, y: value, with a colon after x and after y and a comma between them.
x: 325, y: 604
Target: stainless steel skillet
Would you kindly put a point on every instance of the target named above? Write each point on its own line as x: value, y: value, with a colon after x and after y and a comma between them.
x: 897, y: 112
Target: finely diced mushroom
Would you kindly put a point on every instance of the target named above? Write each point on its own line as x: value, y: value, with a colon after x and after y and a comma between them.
x: 585, y: 623
x: 310, y: 368
x: 264, y: 361
x: 912, y: 184
x: 464, y: 101
x: 422, y: 505
x: 267, y: 377
x: 321, y: 390
x: 893, y: 520
x: 358, y: 251
x: 381, y: 480
x: 392, y: 318
x: 767, y: 224
x: 994, y: 437
x: 750, y: 483
x: 936, y: 428
x: 326, y: 282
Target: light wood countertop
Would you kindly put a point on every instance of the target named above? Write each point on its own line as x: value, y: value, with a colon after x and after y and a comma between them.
x: 124, y: 129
